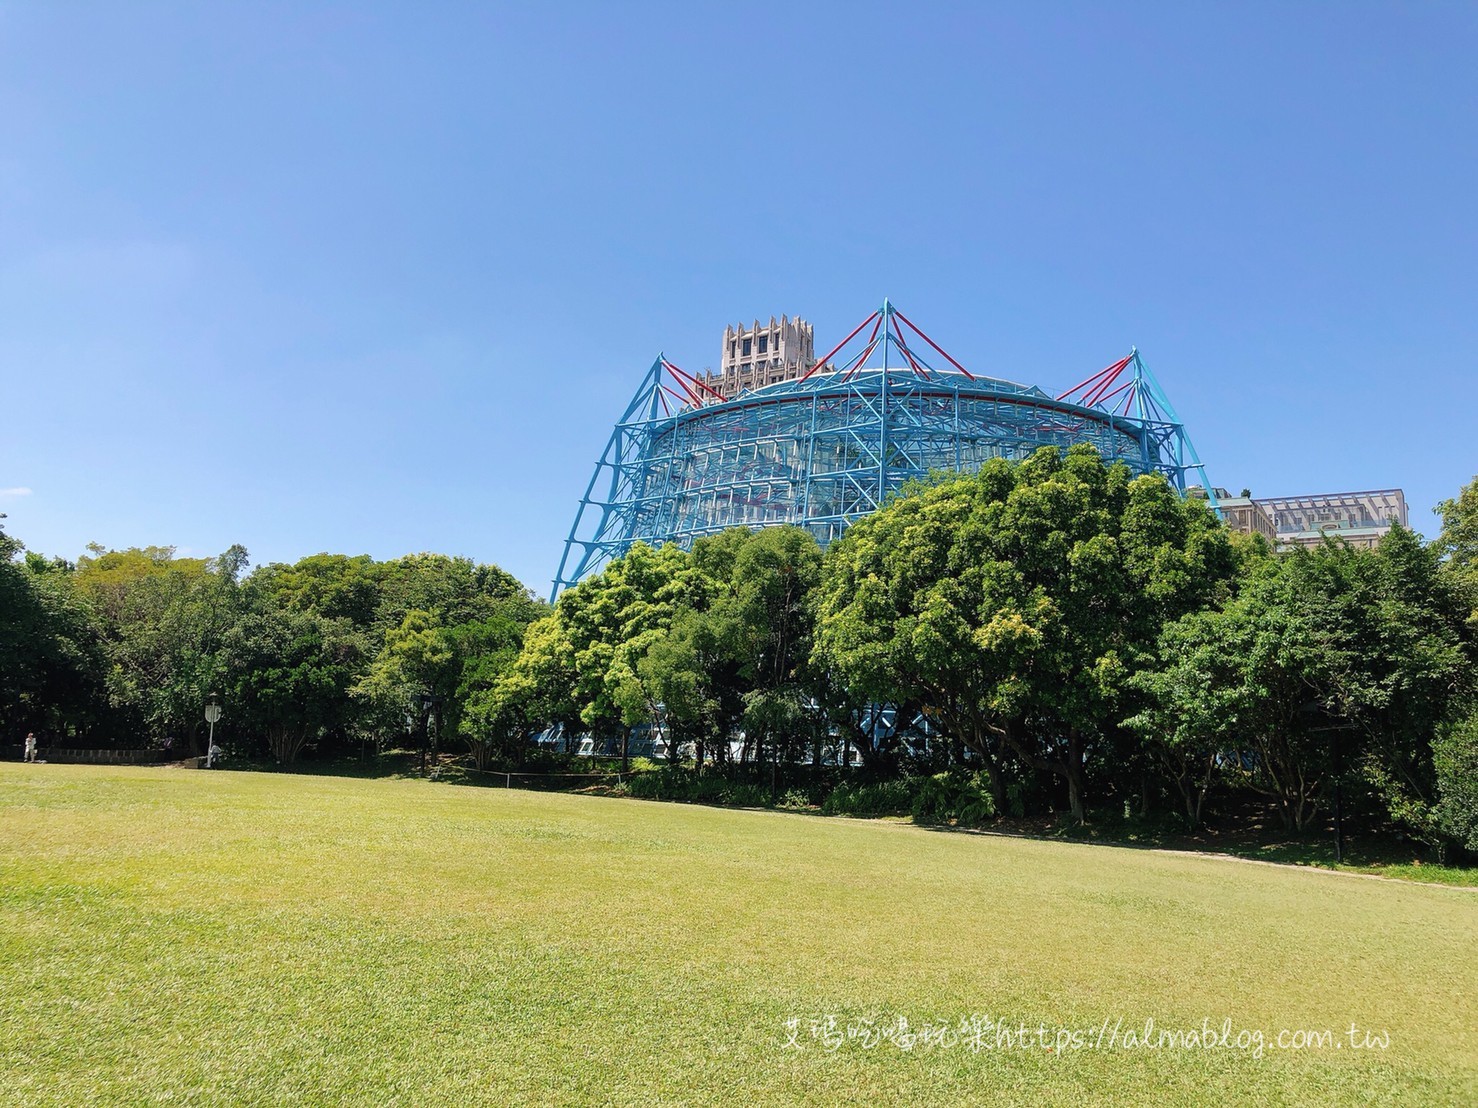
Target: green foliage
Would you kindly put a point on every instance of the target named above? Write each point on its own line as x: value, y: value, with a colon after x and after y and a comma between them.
x: 960, y: 798
x: 1014, y: 604
x: 51, y: 655
x: 876, y: 798
x: 795, y: 800
x: 1367, y: 649
x: 1458, y: 542
x: 1061, y: 627
x: 127, y: 645
x: 581, y: 667
x: 164, y: 622
x: 288, y: 676
x: 1455, y: 755
x: 678, y: 783
x: 956, y: 797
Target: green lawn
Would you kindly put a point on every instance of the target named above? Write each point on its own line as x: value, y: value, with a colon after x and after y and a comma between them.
x: 184, y: 937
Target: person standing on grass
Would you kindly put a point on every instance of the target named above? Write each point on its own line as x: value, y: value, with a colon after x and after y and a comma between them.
x: 30, y: 746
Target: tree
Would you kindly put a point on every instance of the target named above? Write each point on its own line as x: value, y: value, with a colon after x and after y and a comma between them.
x: 1458, y: 542
x: 1192, y: 705
x: 765, y: 614
x: 1014, y: 604
x: 690, y: 674
x: 419, y: 659
x: 1455, y: 756
x: 905, y: 615
x: 1413, y: 672
x: 487, y: 650
x: 288, y: 676
x: 581, y: 666
x: 163, y: 620
x: 738, y: 650
x: 401, y: 629
x: 335, y: 586
x: 1364, y: 649
x: 52, y: 668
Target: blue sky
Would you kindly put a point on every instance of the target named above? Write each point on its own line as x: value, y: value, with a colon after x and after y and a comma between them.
x: 378, y: 278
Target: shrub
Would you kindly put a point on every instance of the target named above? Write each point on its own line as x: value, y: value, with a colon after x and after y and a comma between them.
x: 795, y: 799
x: 746, y: 796
x: 884, y: 798
x: 953, y: 798
x: 944, y: 798
x: 676, y: 783
x: 1455, y: 757
x: 662, y: 784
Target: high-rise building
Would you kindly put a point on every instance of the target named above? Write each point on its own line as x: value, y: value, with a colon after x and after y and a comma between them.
x: 763, y: 354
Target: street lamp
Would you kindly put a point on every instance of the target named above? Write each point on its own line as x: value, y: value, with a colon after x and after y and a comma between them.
x: 212, y: 716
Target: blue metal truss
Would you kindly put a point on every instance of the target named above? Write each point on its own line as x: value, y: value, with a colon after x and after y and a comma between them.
x: 832, y: 446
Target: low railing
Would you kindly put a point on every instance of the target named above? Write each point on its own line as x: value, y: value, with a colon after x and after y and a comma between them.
x: 62, y: 756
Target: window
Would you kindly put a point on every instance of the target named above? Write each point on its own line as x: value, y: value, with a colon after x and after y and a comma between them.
x: 764, y: 343
x: 747, y: 347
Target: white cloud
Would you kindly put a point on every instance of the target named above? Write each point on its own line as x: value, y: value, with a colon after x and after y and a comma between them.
x: 18, y: 490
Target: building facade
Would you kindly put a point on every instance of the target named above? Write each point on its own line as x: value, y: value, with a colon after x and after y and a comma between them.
x: 779, y: 436
x: 1244, y: 514
x: 1359, y: 518
x: 763, y: 354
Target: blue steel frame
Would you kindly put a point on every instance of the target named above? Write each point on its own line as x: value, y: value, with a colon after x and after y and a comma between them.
x: 832, y: 446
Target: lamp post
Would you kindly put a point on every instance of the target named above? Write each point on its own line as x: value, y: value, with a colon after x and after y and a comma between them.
x: 212, y: 715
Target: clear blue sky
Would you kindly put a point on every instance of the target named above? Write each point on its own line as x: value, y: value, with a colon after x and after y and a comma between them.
x: 378, y: 278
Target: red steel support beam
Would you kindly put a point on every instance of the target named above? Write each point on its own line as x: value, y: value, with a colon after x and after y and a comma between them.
x: 1086, y: 386
x: 1097, y: 395
x: 937, y: 348
x: 822, y: 361
x: 692, y: 380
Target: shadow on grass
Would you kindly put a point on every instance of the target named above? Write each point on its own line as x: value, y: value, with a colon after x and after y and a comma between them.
x: 1384, y: 854
x: 1243, y: 830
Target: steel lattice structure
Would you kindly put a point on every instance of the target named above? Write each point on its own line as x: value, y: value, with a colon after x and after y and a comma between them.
x: 823, y: 450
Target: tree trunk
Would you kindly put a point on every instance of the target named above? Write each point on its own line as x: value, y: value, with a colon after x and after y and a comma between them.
x: 1073, y: 771
x: 1075, y: 797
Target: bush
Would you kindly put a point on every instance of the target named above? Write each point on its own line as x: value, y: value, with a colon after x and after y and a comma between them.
x: 662, y: 784
x: 746, y: 796
x: 676, y: 783
x: 884, y: 798
x: 959, y: 798
x: 795, y: 799
x: 944, y: 798
x: 1455, y: 757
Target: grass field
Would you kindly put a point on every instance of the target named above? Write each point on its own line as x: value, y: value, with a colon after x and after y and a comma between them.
x: 168, y: 936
